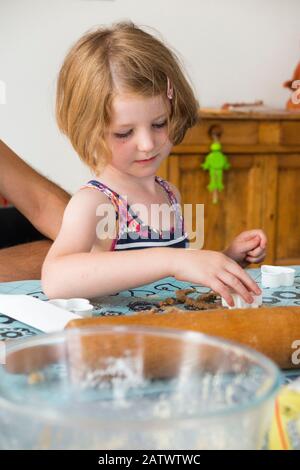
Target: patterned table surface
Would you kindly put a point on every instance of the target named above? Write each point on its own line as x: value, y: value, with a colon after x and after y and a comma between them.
x: 129, y: 301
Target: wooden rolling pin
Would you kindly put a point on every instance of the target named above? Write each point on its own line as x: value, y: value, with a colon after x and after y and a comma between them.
x: 274, y: 331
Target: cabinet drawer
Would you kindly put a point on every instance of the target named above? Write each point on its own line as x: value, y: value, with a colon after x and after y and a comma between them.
x: 290, y: 133
x: 231, y: 132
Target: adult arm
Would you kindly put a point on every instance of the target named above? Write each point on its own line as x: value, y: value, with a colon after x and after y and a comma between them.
x: 38, y: 199
x: 23, y: 261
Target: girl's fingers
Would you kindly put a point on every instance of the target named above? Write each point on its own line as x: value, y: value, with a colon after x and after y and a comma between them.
x: 234, y: 283
x: 263, y: 239
x: 218, y: 286
x: 255, y: 253
x: 249, y: 234
x: 253, y: 259
x: 256, y: 257
x: 238, y: 272
x: 250, y: 245
x: 256, y: 234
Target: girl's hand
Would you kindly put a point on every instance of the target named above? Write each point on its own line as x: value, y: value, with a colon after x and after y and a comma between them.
x: 248, y: 247
x: 215, y: 270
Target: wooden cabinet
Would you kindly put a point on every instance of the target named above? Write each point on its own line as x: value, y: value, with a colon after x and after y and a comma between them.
x: 262, y: 186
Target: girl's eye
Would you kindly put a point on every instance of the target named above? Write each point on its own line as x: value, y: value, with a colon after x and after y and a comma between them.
x: 160, y: 124
x: 123, y: 136
x: 127, y: 134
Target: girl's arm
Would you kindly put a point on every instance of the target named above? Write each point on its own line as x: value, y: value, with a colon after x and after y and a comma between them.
x: 72, y: 270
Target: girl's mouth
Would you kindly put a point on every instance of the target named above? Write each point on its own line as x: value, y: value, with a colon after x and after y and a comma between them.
x: 147, y: 160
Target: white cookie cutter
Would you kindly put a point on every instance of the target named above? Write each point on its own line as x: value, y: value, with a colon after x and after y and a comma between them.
x: 240, y: 303
x: 277, y: 276
x: 76, y: 305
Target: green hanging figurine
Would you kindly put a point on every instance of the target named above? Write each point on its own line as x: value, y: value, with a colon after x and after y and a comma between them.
x: 215, y: 162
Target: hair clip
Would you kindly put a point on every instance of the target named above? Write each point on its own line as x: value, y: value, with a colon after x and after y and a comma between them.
x: 169, y: 89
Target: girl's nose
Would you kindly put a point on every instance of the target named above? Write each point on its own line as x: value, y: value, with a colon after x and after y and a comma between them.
x: 145, y: 142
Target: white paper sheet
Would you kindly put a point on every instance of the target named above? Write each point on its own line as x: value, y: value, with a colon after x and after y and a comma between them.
x: 36, y: 313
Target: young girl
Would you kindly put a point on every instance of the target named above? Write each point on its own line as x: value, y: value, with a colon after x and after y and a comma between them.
x: 123, y: 101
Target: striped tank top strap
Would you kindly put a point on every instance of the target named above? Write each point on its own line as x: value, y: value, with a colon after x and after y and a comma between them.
x: 167, y: 188
x: 112, y: 195
x: 173, y: 200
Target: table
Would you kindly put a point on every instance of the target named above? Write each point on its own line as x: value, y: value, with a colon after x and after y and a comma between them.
x: 141, y: 298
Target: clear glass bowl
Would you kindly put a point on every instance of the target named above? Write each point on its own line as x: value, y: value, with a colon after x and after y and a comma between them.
x: 134, y: 388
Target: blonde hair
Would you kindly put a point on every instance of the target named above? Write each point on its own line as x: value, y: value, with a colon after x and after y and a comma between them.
x: 101, y: 62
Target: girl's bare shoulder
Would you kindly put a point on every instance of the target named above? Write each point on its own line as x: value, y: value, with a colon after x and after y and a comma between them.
x: 87, y: 199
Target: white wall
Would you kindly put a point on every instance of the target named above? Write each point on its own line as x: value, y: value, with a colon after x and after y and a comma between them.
x: 233, y: 50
